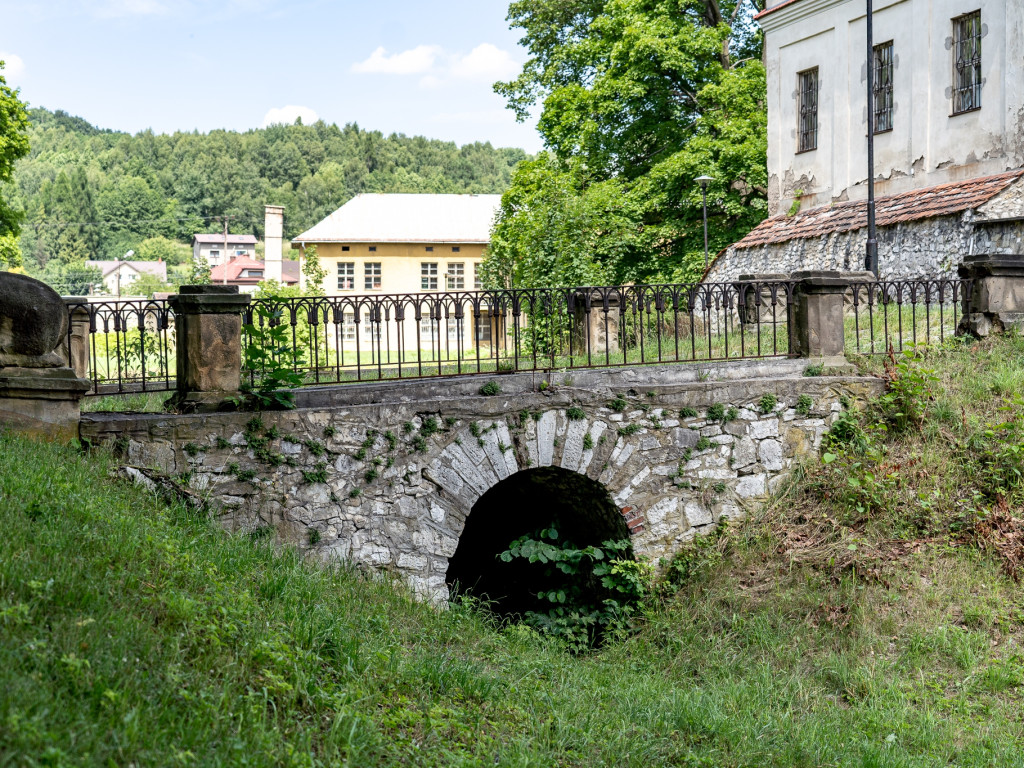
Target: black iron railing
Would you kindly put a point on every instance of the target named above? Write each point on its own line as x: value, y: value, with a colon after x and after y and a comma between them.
x: 359, y: 338
x: 903, y: 312
x: 129, y: 345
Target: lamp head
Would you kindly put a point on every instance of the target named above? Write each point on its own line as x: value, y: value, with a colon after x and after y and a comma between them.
x: 703, y: 181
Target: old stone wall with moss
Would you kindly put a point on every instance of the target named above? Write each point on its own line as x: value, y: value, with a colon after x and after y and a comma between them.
x: 385, y: 475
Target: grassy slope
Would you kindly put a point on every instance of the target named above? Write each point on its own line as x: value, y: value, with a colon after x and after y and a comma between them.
x: 133, y: 632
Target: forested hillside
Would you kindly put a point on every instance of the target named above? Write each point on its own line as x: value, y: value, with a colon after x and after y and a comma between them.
x: 94, y: 193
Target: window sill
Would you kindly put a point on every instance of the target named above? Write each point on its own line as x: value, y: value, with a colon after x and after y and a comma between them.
x: 965, y: 111
x: 882, y: 133
x: 805, y: 151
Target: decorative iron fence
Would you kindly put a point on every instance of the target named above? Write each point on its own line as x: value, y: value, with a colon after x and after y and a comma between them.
x: 904, y: 312
x: 129, y: 345
x: 360, y: 338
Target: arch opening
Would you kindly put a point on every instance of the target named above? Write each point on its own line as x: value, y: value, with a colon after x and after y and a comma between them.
x: 577, y: 507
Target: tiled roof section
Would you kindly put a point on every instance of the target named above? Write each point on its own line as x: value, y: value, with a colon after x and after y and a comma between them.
x: 219, y: 239
x: 940, y: 200
x: 237, y: 266
x: 773, y: 9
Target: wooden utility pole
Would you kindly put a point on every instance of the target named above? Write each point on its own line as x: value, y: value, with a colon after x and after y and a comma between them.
x: 224, y: 258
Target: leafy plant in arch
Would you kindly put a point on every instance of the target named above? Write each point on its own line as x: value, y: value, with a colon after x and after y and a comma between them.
x: 593, y: 591
x: 270, y: 361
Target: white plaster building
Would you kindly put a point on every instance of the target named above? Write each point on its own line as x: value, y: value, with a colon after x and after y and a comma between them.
x: 949, y: 137
x: 949, y: 95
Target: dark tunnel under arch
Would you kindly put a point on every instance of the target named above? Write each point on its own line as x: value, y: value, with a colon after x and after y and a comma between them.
x: 580, y: 508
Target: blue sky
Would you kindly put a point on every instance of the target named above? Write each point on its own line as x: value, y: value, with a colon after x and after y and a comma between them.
x: 419, y: 68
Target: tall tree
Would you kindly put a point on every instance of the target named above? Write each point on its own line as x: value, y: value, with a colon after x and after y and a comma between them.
x: 13, y: 145
x: 648, y: 94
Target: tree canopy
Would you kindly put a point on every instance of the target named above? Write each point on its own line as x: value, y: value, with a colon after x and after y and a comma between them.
x: 90, y: 193
x: 637, y: 97
x: 13, y: 146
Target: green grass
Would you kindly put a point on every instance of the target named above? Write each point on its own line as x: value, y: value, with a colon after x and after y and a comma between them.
x: 136, y: 632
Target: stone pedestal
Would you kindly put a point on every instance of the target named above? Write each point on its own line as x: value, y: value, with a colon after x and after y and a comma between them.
x: 208, y: 329
x: 816, y: 331
x: 41, y: 402
x: 39, y: 392
x: 596, y: 315
x: 995, y: 302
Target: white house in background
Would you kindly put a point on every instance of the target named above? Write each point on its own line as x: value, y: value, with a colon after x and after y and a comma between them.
x: 120, y: 276
x: 948, y: 98
x: 212, y: 247
x: 948, y: 107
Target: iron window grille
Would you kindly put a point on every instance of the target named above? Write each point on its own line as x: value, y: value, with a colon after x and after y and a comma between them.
x: 967, y: 62
x: 428, y: 276
x: 455, y: 278
x: 346, y: 276
x: 371, y: 273
x: 883, y: 87
x: 807, y: 126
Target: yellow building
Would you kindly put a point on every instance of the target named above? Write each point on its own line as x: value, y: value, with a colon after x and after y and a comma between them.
x: 426, y: 248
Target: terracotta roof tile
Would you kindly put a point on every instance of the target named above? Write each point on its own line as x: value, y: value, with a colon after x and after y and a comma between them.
x: 940, y: 200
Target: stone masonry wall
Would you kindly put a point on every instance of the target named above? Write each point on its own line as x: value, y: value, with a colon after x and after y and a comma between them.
x: 923, y: 248
x: 385, y: 475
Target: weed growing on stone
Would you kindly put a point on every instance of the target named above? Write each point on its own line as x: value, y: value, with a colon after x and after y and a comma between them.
x: 313, y: 537
x: 588, y: 442
x: 316, y: 475
x: 491, y: 388
x: 703, y: 444
x: 222, y: 443
x: 688, y: 413
x: 803, y: 406
x: 330, y: 432
x: 391, y: 439
x: 767, y: 403
x: 618, y: 404
x: 629, y: 429
x: 191, y: 449
x: 575, y: 413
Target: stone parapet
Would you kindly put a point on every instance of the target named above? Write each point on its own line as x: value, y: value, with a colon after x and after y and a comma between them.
x: 995, y: 302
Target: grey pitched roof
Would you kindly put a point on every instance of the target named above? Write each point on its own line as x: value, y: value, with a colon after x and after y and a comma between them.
x: 219, y: 239
x: 408, y: 218
x: 157, y: 268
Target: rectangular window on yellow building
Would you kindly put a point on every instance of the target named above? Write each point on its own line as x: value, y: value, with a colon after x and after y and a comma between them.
x: 428, y: 275
x: 346, y: 275
x: 478, y: 283
x: 456, y: 277
x: 371, y: 273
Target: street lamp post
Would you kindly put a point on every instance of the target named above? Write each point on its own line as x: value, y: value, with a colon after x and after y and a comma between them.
x: 871, y: 254
x: 703, y: 181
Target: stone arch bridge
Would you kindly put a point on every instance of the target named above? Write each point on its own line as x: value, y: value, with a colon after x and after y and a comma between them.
x: 386, y: 474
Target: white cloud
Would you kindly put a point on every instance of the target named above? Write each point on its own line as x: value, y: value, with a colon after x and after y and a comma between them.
x: 13, y: 67
x: 288, y: 114
x: 115, y: 9
x: 415, y: 61
x: 485, y: 63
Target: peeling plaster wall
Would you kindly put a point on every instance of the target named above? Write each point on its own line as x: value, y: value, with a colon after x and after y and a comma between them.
x: 409, y: 519
x: 928, y: 145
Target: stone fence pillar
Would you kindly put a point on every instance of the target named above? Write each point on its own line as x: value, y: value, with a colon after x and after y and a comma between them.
x: 816, y: 330
x: 996, y: 300
x: 596, y: 329
x: 756, y: 298
x: 208, y: 329
x: 74, y: 347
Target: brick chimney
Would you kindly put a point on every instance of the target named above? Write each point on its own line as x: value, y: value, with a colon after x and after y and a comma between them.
x: 273, y: 229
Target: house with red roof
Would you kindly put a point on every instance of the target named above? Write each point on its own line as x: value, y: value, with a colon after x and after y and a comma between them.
x: 247, y: 273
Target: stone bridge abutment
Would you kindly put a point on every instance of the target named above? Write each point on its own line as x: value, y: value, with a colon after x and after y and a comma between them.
x: 386, y: 475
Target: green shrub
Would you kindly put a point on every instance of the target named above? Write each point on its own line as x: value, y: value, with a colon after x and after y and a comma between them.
x: 618, y: 404
x: 703, y: 443
x: 491, y: 388
x: 804, y: 405
x: 315, y: 475
x: 576, y: 413
x: 716, y: 412
x: 688, y: 413
x: 767, y: 403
